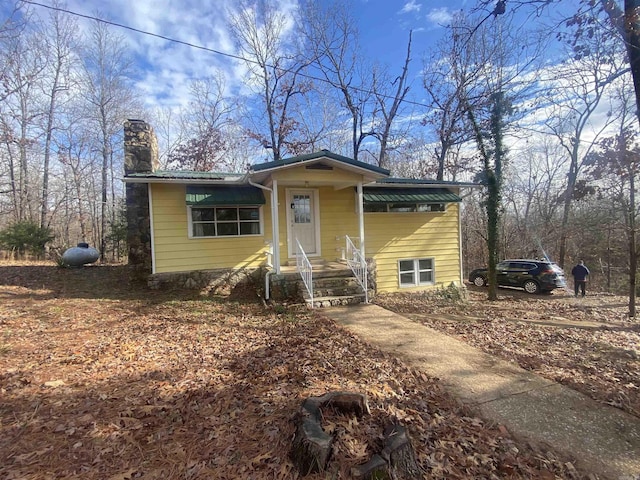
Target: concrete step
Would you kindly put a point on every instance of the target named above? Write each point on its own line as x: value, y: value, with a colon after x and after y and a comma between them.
x: 334, y: 301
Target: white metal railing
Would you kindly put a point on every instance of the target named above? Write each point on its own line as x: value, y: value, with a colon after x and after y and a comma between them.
x: 358, y: 266
x: 269, y: 254
x: 305, y: 270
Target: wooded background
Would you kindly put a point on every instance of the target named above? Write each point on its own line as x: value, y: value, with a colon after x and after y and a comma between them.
x: 554, y: 82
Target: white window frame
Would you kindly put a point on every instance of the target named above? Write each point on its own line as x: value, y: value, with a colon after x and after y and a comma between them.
x: 416, y: 272
x: 190, y: 221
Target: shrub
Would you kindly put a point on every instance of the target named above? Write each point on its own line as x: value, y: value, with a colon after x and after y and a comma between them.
x: 453, y: 293
x: 25, y: 236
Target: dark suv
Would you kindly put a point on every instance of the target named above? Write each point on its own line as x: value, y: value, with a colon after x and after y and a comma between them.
x: 532, y: 275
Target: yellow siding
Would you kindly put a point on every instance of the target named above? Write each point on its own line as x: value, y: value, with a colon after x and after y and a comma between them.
x: 338, y: 218
x: 396, y: 236
x: 174, y: 251
x: 389, y: 236
x: 300, y: 175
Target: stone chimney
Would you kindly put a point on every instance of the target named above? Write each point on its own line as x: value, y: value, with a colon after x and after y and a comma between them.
x: 140, y: 156
x: 140, y: 147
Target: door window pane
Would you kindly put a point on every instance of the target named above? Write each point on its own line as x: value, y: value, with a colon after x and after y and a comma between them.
x: 302, y: 208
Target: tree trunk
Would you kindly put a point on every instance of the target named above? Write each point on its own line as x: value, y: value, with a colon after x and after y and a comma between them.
x: 633, y: 254
x: 401, y: 92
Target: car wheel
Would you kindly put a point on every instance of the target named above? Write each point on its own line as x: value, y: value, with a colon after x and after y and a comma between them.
x: 479, y: 281
x: 531, y: 287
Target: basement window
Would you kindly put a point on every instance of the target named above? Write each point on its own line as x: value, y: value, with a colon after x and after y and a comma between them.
x: 224, y: 221
x: 415, y: 272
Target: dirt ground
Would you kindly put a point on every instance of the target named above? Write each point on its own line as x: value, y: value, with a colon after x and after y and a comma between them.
x: 103, y: 379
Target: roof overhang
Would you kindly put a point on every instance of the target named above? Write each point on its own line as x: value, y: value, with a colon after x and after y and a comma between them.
x: 261, y: 172
x: 185, y: 177
x: 410, y: 182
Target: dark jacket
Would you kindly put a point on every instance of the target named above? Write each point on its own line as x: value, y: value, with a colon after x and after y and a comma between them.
x: 580, y: 273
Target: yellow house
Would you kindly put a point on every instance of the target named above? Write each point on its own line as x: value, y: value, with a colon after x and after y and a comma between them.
x: 300, y: 217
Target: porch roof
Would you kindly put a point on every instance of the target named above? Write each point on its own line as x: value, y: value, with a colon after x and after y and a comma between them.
x: 408, y: 195
x: 322, y: 154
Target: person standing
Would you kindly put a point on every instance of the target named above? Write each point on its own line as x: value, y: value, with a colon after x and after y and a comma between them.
x: 580, y: 274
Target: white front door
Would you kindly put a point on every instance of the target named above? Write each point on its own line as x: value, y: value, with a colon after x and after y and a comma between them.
x: 302, y: 219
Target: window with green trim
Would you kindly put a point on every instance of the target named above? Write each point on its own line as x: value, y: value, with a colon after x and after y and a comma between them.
x: 416, y: 271
x: 224, y: 221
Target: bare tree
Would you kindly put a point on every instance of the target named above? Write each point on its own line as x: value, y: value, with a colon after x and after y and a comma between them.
x: 614, y: 166
x: 488, y: 102
x: 20, y: 112
x: 390, y: 104
x: 60, y: 40
x: 265, y: 39
x: 333, y: 38
x: 533, y: 197
x: 448, y: 74
x: 578, y: 89
x: 12, y: 27
x: 109, y: 99
x: 204, y: 122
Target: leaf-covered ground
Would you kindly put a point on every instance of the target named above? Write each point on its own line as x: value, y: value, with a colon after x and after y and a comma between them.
x: 585, y: 343
x: 103, y: 379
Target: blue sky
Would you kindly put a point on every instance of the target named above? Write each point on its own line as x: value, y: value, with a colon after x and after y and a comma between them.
x: 166, y: 68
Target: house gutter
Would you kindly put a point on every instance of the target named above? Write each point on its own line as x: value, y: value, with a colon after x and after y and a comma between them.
x: 274, y: 233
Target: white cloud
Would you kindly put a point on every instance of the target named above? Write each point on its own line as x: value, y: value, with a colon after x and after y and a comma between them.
x: 166, y: 68
x: 440, y: 16
x: 410, y: 7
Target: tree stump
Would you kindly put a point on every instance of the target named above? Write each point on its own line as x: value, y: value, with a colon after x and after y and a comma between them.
x: 311, y: 446
x: 397, y: 460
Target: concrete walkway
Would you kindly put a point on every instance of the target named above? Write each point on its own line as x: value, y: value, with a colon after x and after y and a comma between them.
x: 603, y: 439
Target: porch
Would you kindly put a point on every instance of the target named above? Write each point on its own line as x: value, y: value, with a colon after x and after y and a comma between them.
x: 331, y: 283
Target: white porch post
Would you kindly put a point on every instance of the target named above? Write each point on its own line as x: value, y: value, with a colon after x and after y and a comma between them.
x: 275, y: 226
x: 361, y: 219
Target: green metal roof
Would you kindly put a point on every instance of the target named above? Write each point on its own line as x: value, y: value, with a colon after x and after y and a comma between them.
x: 232, y: 195
x: 409, y: 195
x: 420, y: 181
x: 187, y: 174
x: 316, y: 156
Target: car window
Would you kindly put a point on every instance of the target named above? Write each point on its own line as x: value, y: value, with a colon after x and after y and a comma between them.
x: 519, y: 266
x: 529, y: 266
x: 502, y: 266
